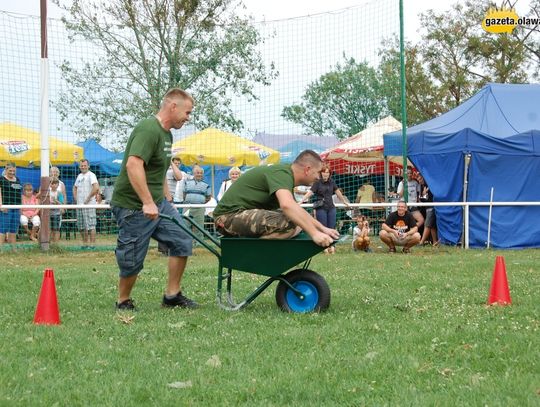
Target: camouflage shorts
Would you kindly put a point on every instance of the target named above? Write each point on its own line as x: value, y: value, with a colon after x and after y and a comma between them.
x: 253, y: 223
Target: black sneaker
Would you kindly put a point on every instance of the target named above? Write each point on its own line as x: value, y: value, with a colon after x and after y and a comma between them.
x: 126, y: 305
x: 179, y: 301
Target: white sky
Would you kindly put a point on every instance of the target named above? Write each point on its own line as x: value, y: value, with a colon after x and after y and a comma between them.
x: 282, y: 9
x: 271, y: 104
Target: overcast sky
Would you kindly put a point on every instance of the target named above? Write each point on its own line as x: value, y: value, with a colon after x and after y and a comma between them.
x: 264, y: 10
x: 307, y: 62
x: 283, y: 9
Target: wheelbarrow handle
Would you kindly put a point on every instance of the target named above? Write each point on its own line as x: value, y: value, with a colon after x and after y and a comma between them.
x: 193, y: 235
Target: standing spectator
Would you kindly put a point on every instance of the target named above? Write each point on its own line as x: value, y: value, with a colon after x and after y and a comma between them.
x: 174, y: 175
x: 10, y: 194
x: 399, y: 229
x: 196, y: 191
x: 54, y: 172
x: 366, y: 194
x: 30, y: 214
x: 430, y: 226
x: 56, y: 198
x: 84, y: 193
x: 413, y: 188
x: 300, y: 191
x: 139, y: 198
x: 325, y: 210
x: 234, y: 173
x: 180, y: 186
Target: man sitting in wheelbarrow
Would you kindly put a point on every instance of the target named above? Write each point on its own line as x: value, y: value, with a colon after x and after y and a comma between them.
x: 261, y: 203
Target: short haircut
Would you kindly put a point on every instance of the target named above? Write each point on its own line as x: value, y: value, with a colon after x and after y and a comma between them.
x: 10, y: 165
x: 402, y: 201
x: 234, y: 169
x: 308, y: 158
x: 84, y: 160
x: 27, y: 184
x: 176, y: 93
x: 197, y: 167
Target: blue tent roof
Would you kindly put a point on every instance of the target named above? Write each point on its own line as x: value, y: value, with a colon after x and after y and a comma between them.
x: 290, y: 151
x: 498, y: 112
x: 496, y: 126
x: 102, y: 159
x: 276, y: 141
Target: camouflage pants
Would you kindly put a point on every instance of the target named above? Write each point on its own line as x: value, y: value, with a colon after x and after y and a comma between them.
x: 253, y: 223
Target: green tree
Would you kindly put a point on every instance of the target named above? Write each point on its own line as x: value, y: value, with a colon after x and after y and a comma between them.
x: 456, y: 57
x: 341, y: 102
x: 145, y: 47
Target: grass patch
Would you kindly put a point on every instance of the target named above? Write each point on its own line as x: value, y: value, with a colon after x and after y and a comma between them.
x: 401, y: 330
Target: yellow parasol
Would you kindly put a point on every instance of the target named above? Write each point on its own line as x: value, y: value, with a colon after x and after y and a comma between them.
x: 216, y: 147
x: 22, y: 146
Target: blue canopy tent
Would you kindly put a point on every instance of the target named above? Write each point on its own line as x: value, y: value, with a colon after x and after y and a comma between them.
x: 492, y: 140
x: 290, y: 151
x: 102, y: 161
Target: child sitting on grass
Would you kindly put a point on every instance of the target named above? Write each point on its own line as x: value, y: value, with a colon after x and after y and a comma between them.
x: 361, y: 239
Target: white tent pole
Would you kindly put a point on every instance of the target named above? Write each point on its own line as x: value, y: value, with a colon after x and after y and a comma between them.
x: 44, y: 127
x: 467, y: 160
x: 386, y: 178
x: 489, y: 218
x: 213, y: 187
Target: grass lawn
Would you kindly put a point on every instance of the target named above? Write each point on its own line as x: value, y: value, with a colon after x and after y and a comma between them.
x: 401, y: 330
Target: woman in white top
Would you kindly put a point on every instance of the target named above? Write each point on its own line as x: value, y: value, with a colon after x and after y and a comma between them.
x: 234, y: 173
x: 54, y: 172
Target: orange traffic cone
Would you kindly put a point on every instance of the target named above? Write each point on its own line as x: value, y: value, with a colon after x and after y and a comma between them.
x: 499, y: 292
x: 47, y: 307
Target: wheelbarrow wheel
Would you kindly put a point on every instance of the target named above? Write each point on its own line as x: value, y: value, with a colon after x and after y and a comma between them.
x: 315, y: 293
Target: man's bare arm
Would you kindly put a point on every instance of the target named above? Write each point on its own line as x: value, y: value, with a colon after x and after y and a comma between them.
x: 137, y: 178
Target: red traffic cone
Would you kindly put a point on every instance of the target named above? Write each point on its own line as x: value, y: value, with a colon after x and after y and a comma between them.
x: 499, y: 292
x: 47, y: 307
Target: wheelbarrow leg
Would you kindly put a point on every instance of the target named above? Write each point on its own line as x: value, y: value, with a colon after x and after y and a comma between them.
x: 230, y: 304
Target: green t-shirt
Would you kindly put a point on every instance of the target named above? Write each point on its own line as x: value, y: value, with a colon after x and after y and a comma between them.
x: 150, y: 142
x: 256, y: 189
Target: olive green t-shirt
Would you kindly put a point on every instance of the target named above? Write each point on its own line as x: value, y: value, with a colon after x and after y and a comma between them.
x: 150, y: 142
x: 256, y: 189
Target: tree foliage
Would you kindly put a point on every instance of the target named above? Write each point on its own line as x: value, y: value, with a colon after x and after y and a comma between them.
x: 144, y: 48
x: 341, y: 102
x: 456, y: 57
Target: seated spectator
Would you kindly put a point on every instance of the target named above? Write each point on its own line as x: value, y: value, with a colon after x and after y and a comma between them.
x: 361, y: 231
x: 399, y: 229
x: 196, y: 191
x: 30, y: 214
x: 234, y: 173
x: 56, y: 198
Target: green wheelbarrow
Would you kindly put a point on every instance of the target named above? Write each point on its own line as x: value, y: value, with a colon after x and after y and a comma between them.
x: 299, y: 289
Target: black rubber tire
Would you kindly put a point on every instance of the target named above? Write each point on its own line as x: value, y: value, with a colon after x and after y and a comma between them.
x: 311, y: 278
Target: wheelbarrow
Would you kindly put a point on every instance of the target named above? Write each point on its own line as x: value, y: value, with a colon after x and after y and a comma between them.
x: 286, y: 261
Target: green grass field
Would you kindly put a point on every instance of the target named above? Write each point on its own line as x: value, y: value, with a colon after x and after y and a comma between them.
x: 401, y: 330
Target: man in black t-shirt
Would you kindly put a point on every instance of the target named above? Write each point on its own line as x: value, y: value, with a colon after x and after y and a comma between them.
x: 399, y: 229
